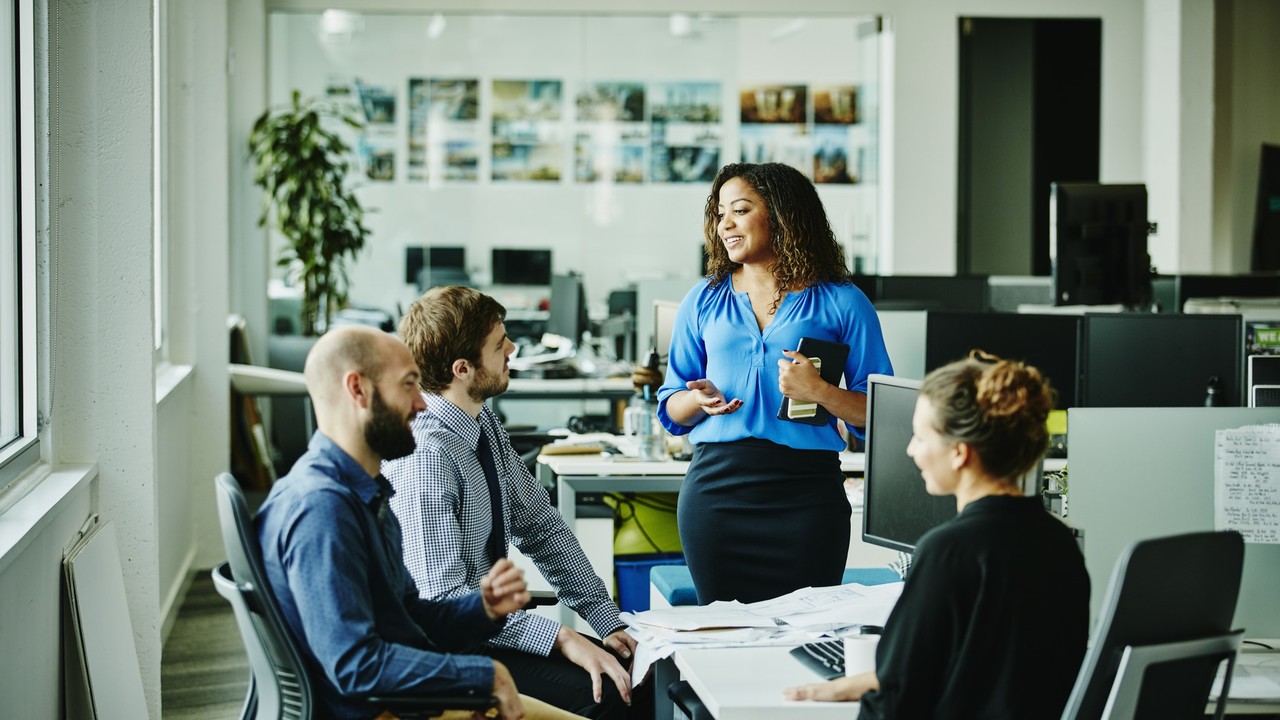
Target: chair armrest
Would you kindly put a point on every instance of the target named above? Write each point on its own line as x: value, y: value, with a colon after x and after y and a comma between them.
x: 541, y: 598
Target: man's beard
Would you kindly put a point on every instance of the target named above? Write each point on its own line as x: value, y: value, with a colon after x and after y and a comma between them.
x: 387, y: 433
x: 487, y: 385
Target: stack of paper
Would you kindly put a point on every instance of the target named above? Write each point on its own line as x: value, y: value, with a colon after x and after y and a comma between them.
x: 793, y: 619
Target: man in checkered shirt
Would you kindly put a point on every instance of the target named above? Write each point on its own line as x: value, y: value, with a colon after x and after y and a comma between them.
x: 452, y: 531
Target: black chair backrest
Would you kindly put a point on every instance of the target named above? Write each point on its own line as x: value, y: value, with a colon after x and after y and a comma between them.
x: 284, y: 689
x: 1163, y: 590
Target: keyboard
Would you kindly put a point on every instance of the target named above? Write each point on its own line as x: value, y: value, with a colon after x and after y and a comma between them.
x: 825, y: 657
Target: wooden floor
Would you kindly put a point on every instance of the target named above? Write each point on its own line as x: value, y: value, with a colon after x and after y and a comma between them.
x: 204, y: 670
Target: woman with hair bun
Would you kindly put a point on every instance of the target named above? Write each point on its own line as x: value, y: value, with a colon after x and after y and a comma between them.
x: 993, y: 619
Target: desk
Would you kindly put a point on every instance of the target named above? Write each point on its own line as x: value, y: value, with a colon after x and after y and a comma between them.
x: 747, y: 683
x: 617, y: 391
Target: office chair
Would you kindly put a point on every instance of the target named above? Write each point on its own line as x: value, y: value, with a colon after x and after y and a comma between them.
x: 1163, y: 630
x: 279, y: 688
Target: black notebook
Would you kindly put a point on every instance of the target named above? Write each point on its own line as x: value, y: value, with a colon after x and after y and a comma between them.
x: 829, y: 358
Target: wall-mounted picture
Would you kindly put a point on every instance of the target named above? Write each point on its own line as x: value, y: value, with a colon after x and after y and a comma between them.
x: 377, y: 103
x: 835, y: 104
x: 773, y: 104
x: 443, y: 127
x: 832, y: 148
x: 526, y: 100
x: 695, y: 102
x: 454, y: 99
x: 611, y: 102
x: 462, y: 159
x: 611, y: 162
x: 685, y: 152
x: 514, y: 162
x: 788, y: 144
x: 378, y: 156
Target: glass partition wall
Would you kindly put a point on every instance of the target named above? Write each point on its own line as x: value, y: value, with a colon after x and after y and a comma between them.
x: 595, y: 137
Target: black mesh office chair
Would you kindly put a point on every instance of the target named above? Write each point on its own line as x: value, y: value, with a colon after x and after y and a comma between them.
x: 279, y: 688
x: 1163, y: 630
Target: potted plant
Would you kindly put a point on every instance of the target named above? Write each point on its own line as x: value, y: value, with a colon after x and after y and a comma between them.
x: 301, y: 165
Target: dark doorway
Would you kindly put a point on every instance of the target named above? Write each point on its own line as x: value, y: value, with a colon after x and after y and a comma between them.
x: 1030, y: 100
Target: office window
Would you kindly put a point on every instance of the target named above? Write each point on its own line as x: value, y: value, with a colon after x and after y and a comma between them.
x: 18, y: 425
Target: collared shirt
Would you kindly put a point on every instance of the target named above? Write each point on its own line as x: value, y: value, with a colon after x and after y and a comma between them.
x: 331, y: 548
x: 443, y: 504
x: 716, y: 337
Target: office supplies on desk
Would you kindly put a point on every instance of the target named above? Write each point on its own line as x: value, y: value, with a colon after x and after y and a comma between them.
x: 828, y: 358
x: 825, y: 657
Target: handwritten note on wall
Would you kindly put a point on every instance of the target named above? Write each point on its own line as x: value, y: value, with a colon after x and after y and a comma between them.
x: 1246, y: 487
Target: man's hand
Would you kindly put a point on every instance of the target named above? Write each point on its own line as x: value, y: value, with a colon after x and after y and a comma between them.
x: 621, y: 643
x: 504, y: 688
x: 503, y: 590
x: 583, y: 653
x: 845, y: 689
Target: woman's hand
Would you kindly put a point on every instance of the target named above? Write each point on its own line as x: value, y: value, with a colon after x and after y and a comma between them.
x: 709, y: 399
x: 845, y: 689
x: 799, y: 380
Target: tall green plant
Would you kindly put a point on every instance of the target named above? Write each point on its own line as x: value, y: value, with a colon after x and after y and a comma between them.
x: 301, y: 166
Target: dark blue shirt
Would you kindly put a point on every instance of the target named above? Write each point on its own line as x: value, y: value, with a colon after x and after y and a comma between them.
x: 332, y: 551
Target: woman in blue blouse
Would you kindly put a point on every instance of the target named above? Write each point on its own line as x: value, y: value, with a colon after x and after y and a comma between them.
x: 762, y: 510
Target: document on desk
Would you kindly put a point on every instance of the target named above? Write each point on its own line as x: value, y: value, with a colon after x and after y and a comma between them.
x: 1256, y: 679
x: 793, y: 619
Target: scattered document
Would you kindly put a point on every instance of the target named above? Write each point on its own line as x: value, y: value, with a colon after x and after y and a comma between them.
x: 800, y: 617
x: 1256, y: 679
x: 1246, y: 482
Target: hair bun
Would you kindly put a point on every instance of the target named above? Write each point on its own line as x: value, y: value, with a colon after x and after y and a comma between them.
x: 1007, y: 388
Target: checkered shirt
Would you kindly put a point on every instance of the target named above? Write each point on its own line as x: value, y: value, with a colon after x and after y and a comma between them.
x: 442, y: 501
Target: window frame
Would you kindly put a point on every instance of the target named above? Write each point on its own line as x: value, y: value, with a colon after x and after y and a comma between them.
x: 23, y: 451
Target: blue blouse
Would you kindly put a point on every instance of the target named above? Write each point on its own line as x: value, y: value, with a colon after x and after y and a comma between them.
x: 716, y: 337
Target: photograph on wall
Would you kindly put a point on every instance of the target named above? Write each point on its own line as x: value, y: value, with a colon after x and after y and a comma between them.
x: 686, y: 131
x: 788, y: 144
x: 611, y: 102
x: 443, y: 127
x: 783, y: 104
x: 527, y: 143
x: 377, y: 104
x: 835, y: 104
x: 685, y: 152
x: 608, y: 160
x: 340, y: 87
x: 536, y: 162
x: 832, y: 155
x: 690, y: 102
x: 378, y: 157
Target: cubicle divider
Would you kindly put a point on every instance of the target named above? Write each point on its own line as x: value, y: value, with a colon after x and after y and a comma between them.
x: 1144, y: 472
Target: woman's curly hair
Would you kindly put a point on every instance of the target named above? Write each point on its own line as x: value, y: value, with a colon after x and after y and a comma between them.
x: 997, y: 407
x: 799, y: 231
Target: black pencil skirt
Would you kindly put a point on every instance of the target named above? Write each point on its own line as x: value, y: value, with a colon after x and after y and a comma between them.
x: 758, y: 520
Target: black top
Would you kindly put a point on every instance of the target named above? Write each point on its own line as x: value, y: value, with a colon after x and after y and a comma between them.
x: 992, y: 621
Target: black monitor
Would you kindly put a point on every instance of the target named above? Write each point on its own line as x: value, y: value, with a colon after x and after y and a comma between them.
x: 452, y: 258
x: 931, y: 292
x: 1146, y: 360
x: 1098, y: 244
x: 897, y: 509
x: 521, y: 267
x: 1187, y: 287
x: 1049, y: 342
x: 568, y: 308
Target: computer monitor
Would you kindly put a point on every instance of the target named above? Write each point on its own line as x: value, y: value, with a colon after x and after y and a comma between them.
x: 1262, y: 376
x: 1049, y: 342
x: 1262, y: 337
x: 454, y: 257
x: 664, y: 322
x: 897, y: 509
x: 1098, y: 244
x: 931, y: 292
x: 521, y: 267
x: 1250, y: 285
x: 568, y: 308
x: 1147, y: 360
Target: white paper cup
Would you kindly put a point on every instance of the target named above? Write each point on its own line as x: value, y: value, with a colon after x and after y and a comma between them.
x: 860, y: 654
